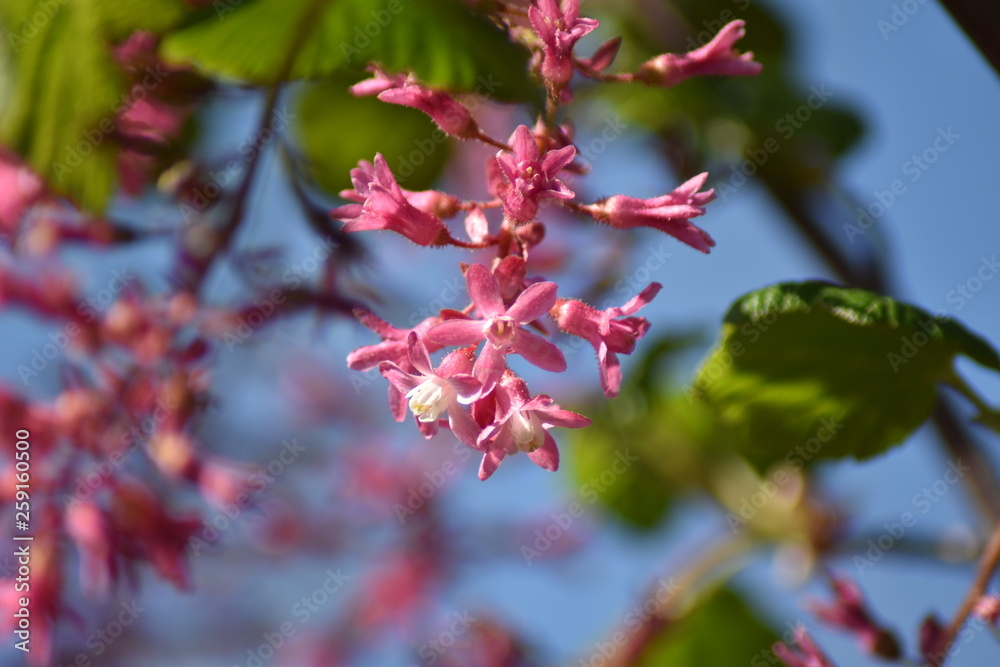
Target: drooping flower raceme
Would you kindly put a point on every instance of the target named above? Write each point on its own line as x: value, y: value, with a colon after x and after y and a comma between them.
x: 473, y: 391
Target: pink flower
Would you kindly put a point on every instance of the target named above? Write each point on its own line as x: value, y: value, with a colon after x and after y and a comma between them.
x: 20, y: 188
x: 526, y: 181
x: 807, y: 655
x: 603, y: 57
x: 386, y: 207
x: 669, y: 213
x: 988, y: 608
x: 431, y: 393
x: 559, y: 31
x: 501, y: 327
x: 393, y: 348
x: 608, y: 335
x: 450, y: 115
x: 432, y: 202
x: 717, y: 58
x: 381, y: 82
x: 523, y: 426
x: 848, y: 613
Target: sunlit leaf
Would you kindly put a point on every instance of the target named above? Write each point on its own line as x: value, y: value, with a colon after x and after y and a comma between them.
x: 415, y: 148
x: 441, y: 40
x: 839, y: 371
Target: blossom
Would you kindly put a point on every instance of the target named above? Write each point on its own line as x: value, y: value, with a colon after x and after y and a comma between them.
x: 501, y: 327
x: 523, y: 426
x: 807, y: 655
x: 669, y: 213
x: 386, y: 207
x: 433, y: 202
x: 450, y: 115
x: 717, y: 58
x: 559, y: 31
x: 526, y: 180
x: 848, y: 612
x: 610, y: 331
x: 20, y: 188
x: 431, y: 393
x: 394, y: 348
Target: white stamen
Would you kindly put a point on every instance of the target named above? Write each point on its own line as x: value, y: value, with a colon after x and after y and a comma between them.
x: 430, y: 398
x: 527, y: 430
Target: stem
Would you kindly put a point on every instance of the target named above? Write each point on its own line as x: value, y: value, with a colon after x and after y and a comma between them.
x: 718, y: 554
x: 988, y: 563
x: 982, y: 480
x: 980, y: 21
x: 487, y: 139
x: 203, y: 263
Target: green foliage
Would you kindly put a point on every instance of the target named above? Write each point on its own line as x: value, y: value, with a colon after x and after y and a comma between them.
x: 330, y: 152
x: 810, y: 362
x: 65, y: 90
x: 676, y: 441
x: 441, y: 40
x: 721, y: 631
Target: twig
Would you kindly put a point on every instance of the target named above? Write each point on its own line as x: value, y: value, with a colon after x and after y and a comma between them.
x: 988, y: 563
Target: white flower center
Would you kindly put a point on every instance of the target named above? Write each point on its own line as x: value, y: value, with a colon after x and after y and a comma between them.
x: 527, y: 429
x: 430, y: 398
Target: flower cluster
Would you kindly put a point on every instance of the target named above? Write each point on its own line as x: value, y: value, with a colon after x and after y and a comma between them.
x: 472, y: 390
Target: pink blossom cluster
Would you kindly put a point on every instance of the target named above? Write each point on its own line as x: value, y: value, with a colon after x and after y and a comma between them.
x: 472, y: 390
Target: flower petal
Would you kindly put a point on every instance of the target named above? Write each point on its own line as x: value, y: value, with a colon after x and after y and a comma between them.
x: 611, y: 371
x: 456, y: 332
x: 484, y: 290
x: 463, y: 426
x: 533, y: 302
x: 489, y: 367
x: 523, y: 143
x: 419, y: 357
x: 556, y: 416
x: 538, y: 351
x: 491, y: 461
x: 399, y: 378
x: 467, y: 387
x: 546, y: 456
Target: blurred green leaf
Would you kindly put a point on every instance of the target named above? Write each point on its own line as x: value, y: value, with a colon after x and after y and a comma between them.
x: 721, y: 631
x: 444, y: 42
x: 675, y: 440
x: 415, y: 148
x: 65, y: 92
x: 120, y: 18
x: 843, y: 371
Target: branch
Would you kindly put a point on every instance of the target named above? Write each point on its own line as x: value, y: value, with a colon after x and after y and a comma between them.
x: 988, y: 563
x: 981, y: 22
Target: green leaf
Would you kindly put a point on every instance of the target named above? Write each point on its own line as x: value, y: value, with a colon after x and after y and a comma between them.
x: 441, y: 40
x: 721, y: 631
x: 813, y: 371
x: 62, y: 106
x: 65, y: 91
x: 415, y: 149
x: 120, y: 18
x: 671, y: 443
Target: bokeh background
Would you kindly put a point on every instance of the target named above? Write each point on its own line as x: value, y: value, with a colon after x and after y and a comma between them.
x: 892, y: 92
